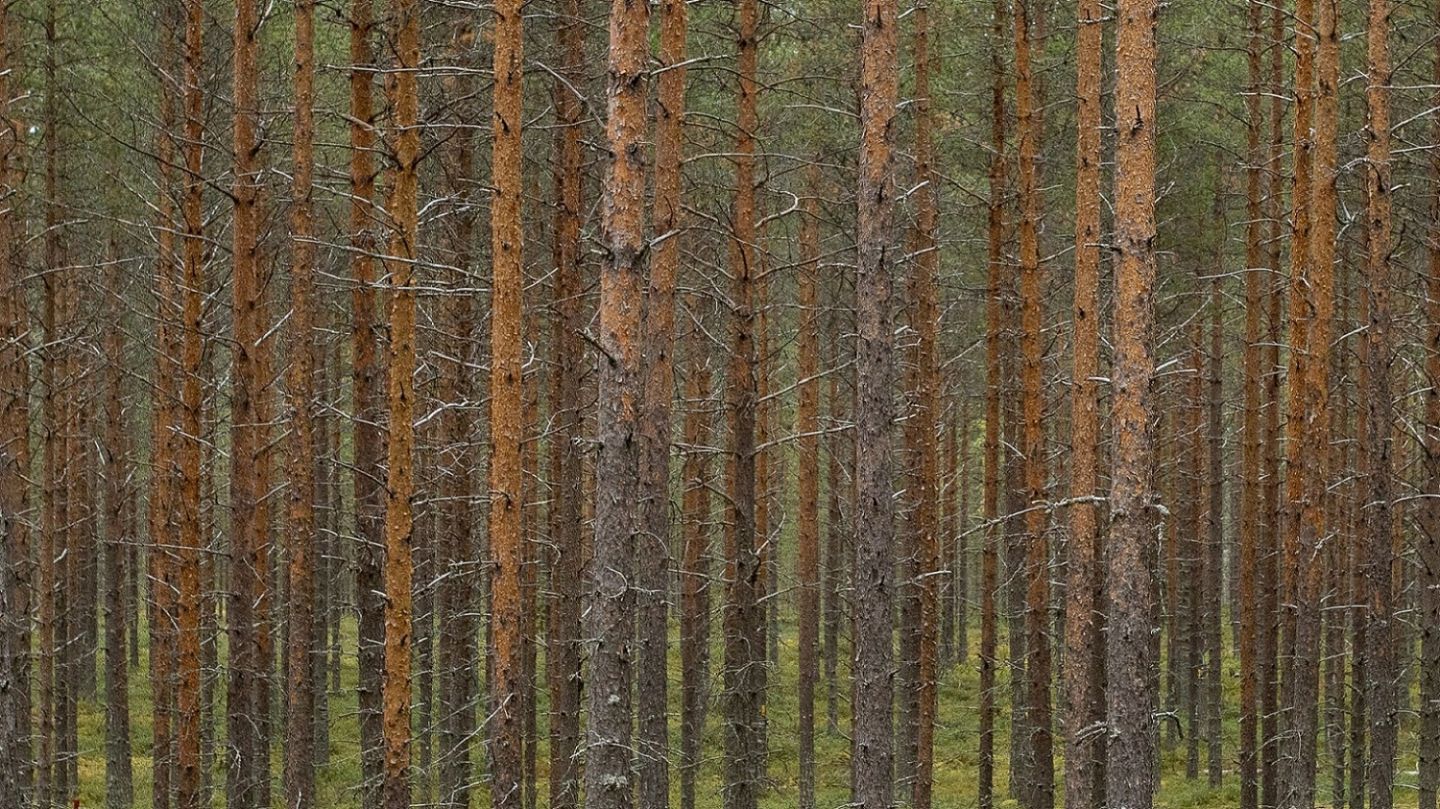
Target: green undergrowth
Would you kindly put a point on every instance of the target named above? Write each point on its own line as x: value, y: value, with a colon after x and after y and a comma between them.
x: 956, y: 745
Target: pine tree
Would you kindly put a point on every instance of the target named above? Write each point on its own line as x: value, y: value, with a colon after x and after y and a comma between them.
x: 119, y: 781
x: 994, y: 328
x: 367, y: 372
x: 611, y: 615
x: 300, y: 452
x: 807, y: 426
x: 1085, y: 746
x: 1381, y: 632
x: 1252, y: 430
x: 563, y: 626
x: 506, y: 414
x: 743, y: 615
x: 1131, y: 767
x: 401, y: 253
x: 872, y: 763
x: 1429, y: 764
x: 248, y: 703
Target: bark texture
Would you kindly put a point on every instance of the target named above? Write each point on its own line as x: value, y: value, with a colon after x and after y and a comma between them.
x: 507, y: 416
x: 566, y: 562
x: 404, y: 143
x: 873, y: 757
x: 1084, y: 704
x: 610, y: 623
x: 1131, y: 774
x: 1385, y: 682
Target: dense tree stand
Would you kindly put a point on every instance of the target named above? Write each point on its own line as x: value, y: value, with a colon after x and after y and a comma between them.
x: 617, y: 405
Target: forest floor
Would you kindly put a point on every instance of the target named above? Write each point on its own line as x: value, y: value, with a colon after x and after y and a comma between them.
x: 956, y: 744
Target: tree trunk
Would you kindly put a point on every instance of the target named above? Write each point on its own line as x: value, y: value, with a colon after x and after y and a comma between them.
x: 16, y: 565
x: 1308, y: 433
x: 369, y: 439
x: 807, y: 426
x: 871, y: 766
x: 695, y: 572
x: 1268, y: 650
x: 1131, y: 769
x: 927, y: 420
x: 164, y: 429
x: 1429, y: 539
x: 563, y: 652
x: 119, y: 786
x: 400, y: 481
x: 1215, y: 516
x: 506, y: 416
x: 653, y: 576
x: 1037, y: 790
x: 744, y: 651
x: 1288, y: 775
x: 837, y: 485
x: 327, y: 362
x: 300, y: 452
x: 457, y: 587
x: 994, y: 329
x: 248, y: 703
x: 188, y: 440
x: 1252, y: 434
x: 611, y: 617
x: 1359, y: 583
x: 49, y: 787
x: 959, y: 533
x: 1084, y: 704
x: 1384, y: 683
x: 529, y: 562
x: 1193, y: 531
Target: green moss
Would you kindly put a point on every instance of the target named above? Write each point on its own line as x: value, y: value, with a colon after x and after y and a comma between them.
x: 956, y: 743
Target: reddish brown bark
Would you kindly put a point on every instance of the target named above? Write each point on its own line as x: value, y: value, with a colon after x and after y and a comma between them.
x: 49, y: 771
x: 16, y: 564
x: 1269, y: 585
x: 506, y: 415
x: 1131, y: 768
x: 1037, y: 764
x: 400, y: 483
x: 610, y: 622
x: 1287, y: 771
x: 872, y: 759
x: 1083, y: 699
x: 187, y: 445
x: 248, y: 702
x: 653, y: 576
x: 367, y: 370
x: 1307, y: 422
x: 300, y: 451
